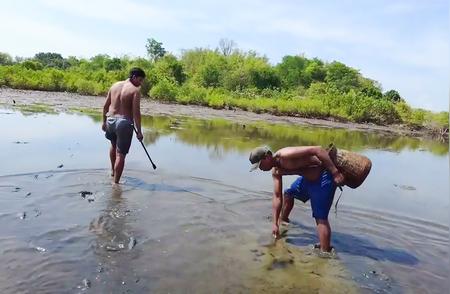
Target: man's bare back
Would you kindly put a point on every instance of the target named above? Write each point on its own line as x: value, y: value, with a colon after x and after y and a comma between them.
x: 123, y: 94
x: 296, y: 158
x: 307, y: 161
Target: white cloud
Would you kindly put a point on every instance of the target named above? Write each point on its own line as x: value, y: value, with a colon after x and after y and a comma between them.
x: 31, y: 36
x: 427, y: 50
x: 430, y: 52
x: 125, y: 12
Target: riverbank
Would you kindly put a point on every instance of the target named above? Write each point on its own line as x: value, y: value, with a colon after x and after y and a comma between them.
x: 64, y: 101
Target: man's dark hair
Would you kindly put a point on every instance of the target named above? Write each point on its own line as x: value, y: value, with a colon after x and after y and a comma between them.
x: 137, y: 72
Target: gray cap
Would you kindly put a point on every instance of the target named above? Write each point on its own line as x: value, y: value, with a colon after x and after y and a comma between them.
x: 258, y: 154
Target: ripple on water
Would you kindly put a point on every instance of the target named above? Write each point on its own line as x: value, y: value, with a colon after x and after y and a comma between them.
x: 199, y: 235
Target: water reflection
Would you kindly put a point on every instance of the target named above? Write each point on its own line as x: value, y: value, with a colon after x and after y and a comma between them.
x: 114, y: 242
x: 222, y: 135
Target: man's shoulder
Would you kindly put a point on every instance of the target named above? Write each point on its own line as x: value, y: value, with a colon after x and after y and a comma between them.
x: 283, y: 150
x: 117, y: 85
x: 131, y: 89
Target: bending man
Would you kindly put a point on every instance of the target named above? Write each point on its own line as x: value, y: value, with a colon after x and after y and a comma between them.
x: 317, y: 182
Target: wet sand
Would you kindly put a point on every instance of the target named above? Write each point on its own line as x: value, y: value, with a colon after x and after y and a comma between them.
x: 63, y: 101
x: 153, y: 233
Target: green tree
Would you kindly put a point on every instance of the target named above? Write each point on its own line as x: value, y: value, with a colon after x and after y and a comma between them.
x: 168, y: 68
x: 315, y: 71
x: 155, y: 50
x: 227, y: 46
x: 292, y: 71
x: 113, y: 64
x: 72, y: 61
x: 342, y: 77
x: 393, y: 96
x: 98, y: 62
x: 262, y: 75
x: 193, y: 59
x: 32, y: 64
x: 210, y: 74
x: 49, y: 59
x: 370, y: 88
x: 5, y: 59
x: 205, y: 67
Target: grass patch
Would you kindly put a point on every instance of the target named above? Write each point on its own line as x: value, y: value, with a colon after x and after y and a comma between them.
x: 34, y: 108
x: 85, y: 110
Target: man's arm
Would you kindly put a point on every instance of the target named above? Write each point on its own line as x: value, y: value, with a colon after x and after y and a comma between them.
x: 277, y: 202
x: 137, y: 114
x: 106, y: 109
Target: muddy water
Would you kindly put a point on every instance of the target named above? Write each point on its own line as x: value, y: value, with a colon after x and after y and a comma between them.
x: 200, y: 222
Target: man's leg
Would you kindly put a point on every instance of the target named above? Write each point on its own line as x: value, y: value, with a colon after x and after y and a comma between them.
x: 118, y: 167
x: 112, y: 157
x: 124, y: 136
x: 288, y: 204
x: 324, y: 233
x: 322, y: 194
x: 295, y: 191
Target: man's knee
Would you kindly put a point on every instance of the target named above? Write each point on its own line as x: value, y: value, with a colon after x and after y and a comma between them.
x: 120, y: 155
x: 322, y: 222
x: 288, y: 197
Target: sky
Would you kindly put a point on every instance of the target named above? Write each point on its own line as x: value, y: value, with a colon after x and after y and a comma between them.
x: 402, y: 44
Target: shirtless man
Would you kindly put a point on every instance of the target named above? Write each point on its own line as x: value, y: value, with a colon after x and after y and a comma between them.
x: 122, y: 107
x: 317, y: 182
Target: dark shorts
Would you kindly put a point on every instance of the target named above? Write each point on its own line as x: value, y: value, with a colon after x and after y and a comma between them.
x: 320, y: 192
x: 120, y: 132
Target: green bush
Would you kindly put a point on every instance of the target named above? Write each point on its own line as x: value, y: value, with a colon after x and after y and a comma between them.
x: 85, y: 87
x: 165, y: 90
x: 32, y: 64
x: 190, y: 93
x: 296, y: 86
x: 215, y: 101
x: 417, y: 118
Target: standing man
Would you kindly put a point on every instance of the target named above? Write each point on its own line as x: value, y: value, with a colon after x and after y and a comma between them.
x: 122, y: 107
x: 317, y: 182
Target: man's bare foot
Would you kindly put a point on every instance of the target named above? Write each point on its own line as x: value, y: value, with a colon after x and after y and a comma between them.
x: 112, y: 174
x: 320, y: 252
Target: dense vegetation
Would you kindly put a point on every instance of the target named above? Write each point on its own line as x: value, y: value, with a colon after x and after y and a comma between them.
x: 228, y: 78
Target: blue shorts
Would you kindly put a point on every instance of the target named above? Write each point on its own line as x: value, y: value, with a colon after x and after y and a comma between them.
x: 320, y: 192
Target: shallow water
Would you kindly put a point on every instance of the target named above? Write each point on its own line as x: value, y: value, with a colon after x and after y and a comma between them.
x: 200, y: 222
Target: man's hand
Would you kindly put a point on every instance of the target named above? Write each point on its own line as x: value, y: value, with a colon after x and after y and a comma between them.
x: 338, y: 178
x: 275, y: 231
x: 104, y: 127
x: 139, y: 136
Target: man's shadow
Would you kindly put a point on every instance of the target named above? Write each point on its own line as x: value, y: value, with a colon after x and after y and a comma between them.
x: 351, y: 244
